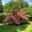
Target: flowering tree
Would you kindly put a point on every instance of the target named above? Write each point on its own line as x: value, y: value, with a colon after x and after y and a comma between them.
x: 17, y: 17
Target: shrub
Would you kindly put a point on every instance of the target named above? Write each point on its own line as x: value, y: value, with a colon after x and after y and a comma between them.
x: 15, y: 17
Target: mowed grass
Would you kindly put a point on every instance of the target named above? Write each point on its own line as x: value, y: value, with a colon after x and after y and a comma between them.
x: 14, y: 28
x: 11, y: 28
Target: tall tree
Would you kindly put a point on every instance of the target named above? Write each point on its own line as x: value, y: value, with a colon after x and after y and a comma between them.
x: 17, y: 4
x: 1, y: 7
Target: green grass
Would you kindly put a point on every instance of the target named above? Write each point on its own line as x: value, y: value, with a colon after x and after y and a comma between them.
x: 14, y: 28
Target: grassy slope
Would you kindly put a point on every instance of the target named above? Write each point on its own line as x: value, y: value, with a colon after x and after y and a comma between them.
x: 14, y: 28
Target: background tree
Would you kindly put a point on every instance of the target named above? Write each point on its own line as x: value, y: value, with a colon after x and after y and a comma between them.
x: 1, y: 11
x: 15, y: 5
x: 1, y: 7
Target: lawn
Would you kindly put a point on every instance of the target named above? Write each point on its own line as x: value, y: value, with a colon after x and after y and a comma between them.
x: 14, y: 28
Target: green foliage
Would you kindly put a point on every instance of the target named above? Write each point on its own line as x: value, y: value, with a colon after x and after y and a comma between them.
x: 10, y: 6
x: 15, y: 5
x: 1, y: 7
x: 28, y: 10
x: 1, y: 19
x: 1, y: 11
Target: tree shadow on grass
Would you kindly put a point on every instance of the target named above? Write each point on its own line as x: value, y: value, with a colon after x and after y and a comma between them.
x: 13, y: 28
x: 20, y: 27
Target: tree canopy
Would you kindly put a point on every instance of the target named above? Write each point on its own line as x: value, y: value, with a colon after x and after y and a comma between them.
x: 1, y: 7
x: 15, y: 5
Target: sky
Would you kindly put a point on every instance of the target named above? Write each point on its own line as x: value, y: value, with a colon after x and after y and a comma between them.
x: 6, y: 1
x: 29, y: 1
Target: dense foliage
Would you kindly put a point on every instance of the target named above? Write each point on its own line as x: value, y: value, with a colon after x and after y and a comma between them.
x: 15, y: 5
x: 1, y: 11
x: 1, y: 7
